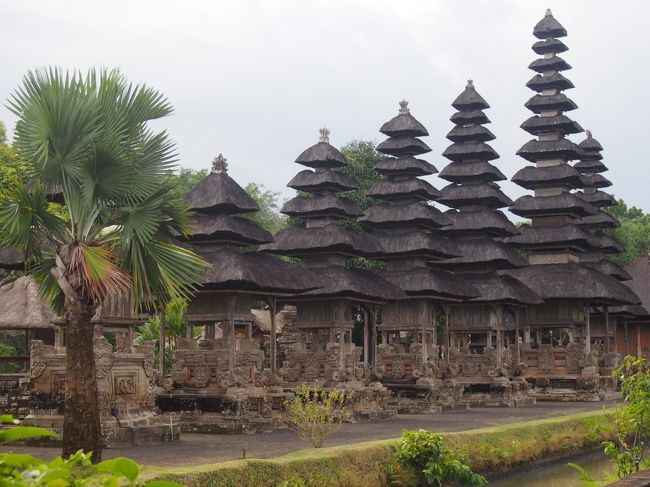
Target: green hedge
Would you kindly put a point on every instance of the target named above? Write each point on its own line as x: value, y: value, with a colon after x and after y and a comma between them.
x: 489, y: 451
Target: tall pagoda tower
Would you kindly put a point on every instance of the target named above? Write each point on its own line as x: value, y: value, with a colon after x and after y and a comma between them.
x: 554, y: 241
x: 484, y: 343
x: 325, y: 352
x: 407, y: 227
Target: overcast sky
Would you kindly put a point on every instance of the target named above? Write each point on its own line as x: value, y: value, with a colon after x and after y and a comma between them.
x: 257, y: 79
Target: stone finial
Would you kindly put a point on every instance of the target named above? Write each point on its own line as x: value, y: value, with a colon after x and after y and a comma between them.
x: 219, y: 165
x: 548, y: 12
x: 470, y: 84
x: 324, y: 135
x: 588, y: 133
x: 403, y: 107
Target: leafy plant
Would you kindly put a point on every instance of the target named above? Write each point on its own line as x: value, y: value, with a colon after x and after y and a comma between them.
x: 426, y: 453
x: 315, y: 414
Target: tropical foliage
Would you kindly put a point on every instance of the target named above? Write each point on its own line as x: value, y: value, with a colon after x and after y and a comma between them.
x: 634, y: 232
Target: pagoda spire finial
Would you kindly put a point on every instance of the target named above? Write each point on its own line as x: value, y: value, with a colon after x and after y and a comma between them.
x: 548, y: 12
x: 470, y: 84
x: 324, y: 135
x: 219, y: 165
x: 588, y: 133
x: 403, y: 107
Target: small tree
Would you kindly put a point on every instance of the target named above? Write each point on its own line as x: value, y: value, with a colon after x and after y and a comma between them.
x: 315, y: 414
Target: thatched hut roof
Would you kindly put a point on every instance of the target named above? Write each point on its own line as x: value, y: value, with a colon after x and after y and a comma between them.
x: 531, y: 177
x: 470, y: 151
x: 413, y: 214
x: 321, y: 180
x: 573, y: 281
x: 564, y: 204
x: 414, y: 188
x: 550, y: 45
x: 597, y: 180
x: 462, y: 172
x: 535, y: 150
x: 610, y: 268
x: 227, y: 229
x: 480, y: 252
x: 543, y: 103
x: 484, y: 221
x: 567, y: 236
x: 11, y: 259
x: 405, y: 165
x: 537, y: 125
x: 322, y: 154
x: 610, y: 244
x: 363, y: 285
x: 418, y: 243
x: 471, y: 116
x: 219, y: 193
x: 21, y: 307
x: 639, y: 271
x: 319, y: 206
x: 464, y: 133
x: 504, y: 289
x: 553, y: 63
x: 548, y: 27
x: 403, y: 146
x: 597, y: 198
x: 469, y: 99
x: 404, y: 124
x: 584, y: 165
x: 555, y: 81
x: 485, y: 194
x: 431, y: 283
x: 600, y: 220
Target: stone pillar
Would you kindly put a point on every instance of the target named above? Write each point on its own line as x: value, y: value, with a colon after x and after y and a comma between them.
x: 517, y: 347
x: 231, y: 333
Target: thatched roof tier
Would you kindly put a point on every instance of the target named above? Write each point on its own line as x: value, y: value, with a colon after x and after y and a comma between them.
x: 253, y: 272
x: 565, y: 237
x: 550, y: 46
x: 610, y: 268
x: 406, y: 166
x: 410, y: 188
x: 563, y: 204
x: 404, y: 124
x: 322, y: 154
x: 321, y: 206
x: 403, y: 146
x: 555, y: 81
x: 599, y: 220
x: 462, y: 133
x: 639, y: 270
x: 536, y: 150
x: 412, y: 214
x: 464, y: 172
x: 469, y: 99
x: 597, y: 180
x: 553, y: 63
x: 470, y: 151
x: 597, y: 198
x: 337, y: 281
x: 634, y: 313
x: 329, y: 239
x: 485, y: 221
x: 549, y: 27
x: 21, y: 307
x: 537, y: 125
x: 573, y: 281
x: 11, y: 259
x: 589, y: 165
x: 431, y: 283
x: 494, y: 288
x: 531, y: 177
x: 483, y: 251
x: 469, y: 117
x: 227, y: 229
x: 485, y: 194
x: 427, y: 245
x: 610, y: 244
x: 219, y: 193
x: 323, y: 179
x: 591, y: 146
x: 546, y: 103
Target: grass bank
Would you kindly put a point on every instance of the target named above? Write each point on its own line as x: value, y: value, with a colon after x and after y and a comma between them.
x: 490, y: 451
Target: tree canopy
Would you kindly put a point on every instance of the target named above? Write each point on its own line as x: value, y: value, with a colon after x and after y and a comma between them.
x: 634, y: 232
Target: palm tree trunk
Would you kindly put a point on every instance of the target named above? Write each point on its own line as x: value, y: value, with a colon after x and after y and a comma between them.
x: 81, y: 425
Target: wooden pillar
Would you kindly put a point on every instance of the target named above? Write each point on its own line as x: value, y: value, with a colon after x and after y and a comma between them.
x: 587, y: 329
x: 231, y: 333
x: 373, y: 338
x: 162, y: 345
x: 638, y: 340
x: 627, y: 338
x: 273, y: 338
x: 607, y: 330
x: 446, y: 337
x: 365, y: 339
x: 517, y: 347
x: 210, y: 331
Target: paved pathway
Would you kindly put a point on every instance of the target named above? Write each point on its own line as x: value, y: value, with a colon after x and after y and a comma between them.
x: 195, y: 449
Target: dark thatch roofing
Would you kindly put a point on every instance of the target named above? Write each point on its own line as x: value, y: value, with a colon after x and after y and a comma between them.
x: 550, y: 45
x: 416, y: 188
x: 461, y: 172
x: 469, y: 99
x: 556, y: 237
x: 564, y: 204
x: 467, y: 117
x: 11, y: 259
x: 416, y: 213
x: 403, y: 125
x: 21, y: 307
x: 599, y: 220
x: 541, y: 103
x: 484, y: 251
x: 610, y: 268
x: 639, y: 270
x: 219, y: 193
x: 549, y: 27
x: 228, y: 229
x: 590, y: 166
x: 427, y: 282
x: 535, y: 150
x: 415, y: 243
x: 470, y: 133
x: 597, y: 198
x: 536, y: 125
x: 320, y: 180
x: 494, y: 288
x: 331, y: 238
x: 591, y: 145
x: 403, y: 146
x: 322, y: 154
x: 484, y: 222
x: 555, y: 81
x: 470, y: 151
x: 531, y: 177
x: 610, y: 244
x: 485, y: 194
x: 405, y: 165
x: 554, y: 63
x: 254, y: 272
x: 321, y: 206
x: 573, y: 281
x: 337, y: 281
x: 597, y: 180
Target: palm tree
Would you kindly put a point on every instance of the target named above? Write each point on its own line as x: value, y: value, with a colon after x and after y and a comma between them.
x: 88, y: 140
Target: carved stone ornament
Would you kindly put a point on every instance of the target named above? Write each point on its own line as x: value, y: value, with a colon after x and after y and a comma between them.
x: 103, y: 356
x: 312, y: 369
x: 398, y: 370
x: 545, y: 358
x: 149, y: 358
x: 37, y: 360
